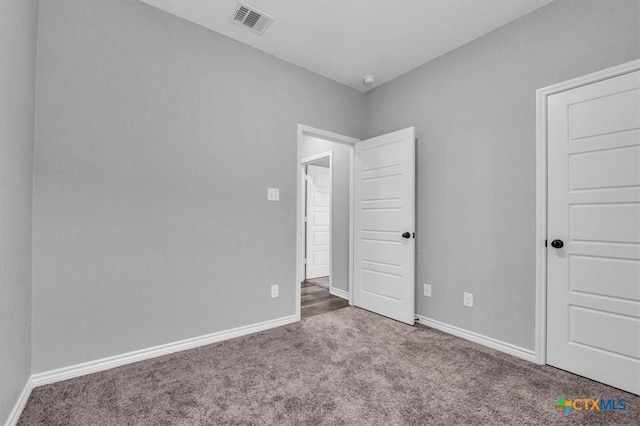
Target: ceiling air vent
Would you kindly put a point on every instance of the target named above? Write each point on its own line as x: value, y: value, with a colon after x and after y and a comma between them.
x: 250, y: 18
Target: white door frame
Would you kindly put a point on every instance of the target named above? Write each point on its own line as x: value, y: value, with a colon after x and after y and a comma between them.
x: 333, y: 137
x: 541, y: 192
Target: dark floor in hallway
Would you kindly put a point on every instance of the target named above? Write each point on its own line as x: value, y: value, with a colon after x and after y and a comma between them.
x: 320, y: 281
x: 316, y: 300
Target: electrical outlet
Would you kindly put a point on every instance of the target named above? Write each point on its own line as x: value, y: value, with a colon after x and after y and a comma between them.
x: 275, y: 290
x: 427, y: 290
x: 468, y: 300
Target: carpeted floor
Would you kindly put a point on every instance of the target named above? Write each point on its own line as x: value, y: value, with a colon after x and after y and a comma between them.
x: 347, y: 367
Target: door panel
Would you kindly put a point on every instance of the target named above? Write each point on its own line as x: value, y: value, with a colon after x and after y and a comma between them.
x: 381, y: 220
x: 382, y: 252
x: 321, y: 238
x: 609, y: 168
x: 616, y: 112
x: 586, y: 274
x: 318, y: 211
x: 384, y: 210
x: 593, y: 328
x: 380, y: 284
x: 593, y: 302
x: 612, y: 223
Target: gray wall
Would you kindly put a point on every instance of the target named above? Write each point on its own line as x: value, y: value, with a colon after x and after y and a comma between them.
x: 474, y: 112
x: 156, y: 141
x: 340, y: 210
x: 18, y: 34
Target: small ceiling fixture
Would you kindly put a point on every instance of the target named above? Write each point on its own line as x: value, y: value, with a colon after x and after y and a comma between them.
x: 369, y: 80
x: 250, y: 18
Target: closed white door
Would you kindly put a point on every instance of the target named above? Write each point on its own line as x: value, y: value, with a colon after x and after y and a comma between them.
x: 384, y: 222
x: 318, y: 215
x: 593, y: 254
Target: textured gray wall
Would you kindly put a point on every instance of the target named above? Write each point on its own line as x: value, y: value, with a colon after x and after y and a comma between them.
x: 18, y: 35
x: 474, y: 112
x: 156, y: 141
x: 340, y: 212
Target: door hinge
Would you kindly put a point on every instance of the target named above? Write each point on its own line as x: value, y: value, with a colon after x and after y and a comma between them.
x: 305, y: 261
x: 305, y: 219
x: 545, y: 243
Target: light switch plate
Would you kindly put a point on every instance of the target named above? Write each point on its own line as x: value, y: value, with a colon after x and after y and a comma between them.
x: 273, y: 194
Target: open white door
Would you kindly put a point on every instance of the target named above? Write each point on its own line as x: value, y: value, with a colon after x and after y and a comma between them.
x: 384, y: 225
x: 318, y: 221
x: 593, y: 259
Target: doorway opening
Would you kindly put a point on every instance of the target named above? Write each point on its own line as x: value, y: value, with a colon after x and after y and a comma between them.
x: 371, y: 219
x: 316, y: 297
x: 324, y: 243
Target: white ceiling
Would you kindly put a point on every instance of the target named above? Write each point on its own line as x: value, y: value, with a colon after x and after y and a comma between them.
x: 345, y: 40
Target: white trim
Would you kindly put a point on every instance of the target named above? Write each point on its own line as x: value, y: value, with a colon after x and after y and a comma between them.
x: 541, y: 192
x: 351, y: 219
x: 334, y: 137
x: 82, y: 369
x: 323, y: 134
x: 316, y: 157
x: 480, y: 339
x: 340, y: 293
x: 15, y: 414
x: 541, y: 229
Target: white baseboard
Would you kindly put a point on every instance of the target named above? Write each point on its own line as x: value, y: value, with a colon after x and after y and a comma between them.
x: 490, y: 342
x: 140, y: 355
x: 14, y: 416
x: 339, y: 293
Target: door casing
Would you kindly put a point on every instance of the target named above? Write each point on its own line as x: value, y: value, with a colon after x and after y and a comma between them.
x: 541, y: 192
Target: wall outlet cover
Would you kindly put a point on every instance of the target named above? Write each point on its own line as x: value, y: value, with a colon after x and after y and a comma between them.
x: 468, y: 300
x: 427, y: 290
x: 275, y: 290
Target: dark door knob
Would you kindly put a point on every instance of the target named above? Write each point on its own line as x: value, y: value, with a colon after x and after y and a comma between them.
x: 406, y: 235
x: 557, y: 244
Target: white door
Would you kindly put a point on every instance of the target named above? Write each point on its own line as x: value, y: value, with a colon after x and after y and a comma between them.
x: 593, y: 302
x: 318, y: 211
x: 384, y: 210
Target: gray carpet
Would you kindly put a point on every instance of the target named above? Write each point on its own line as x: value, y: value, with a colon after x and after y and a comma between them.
x: 347, y: 367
